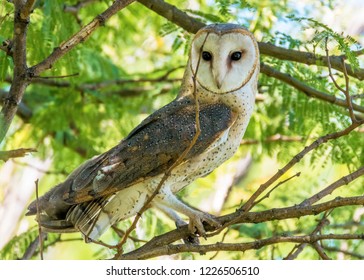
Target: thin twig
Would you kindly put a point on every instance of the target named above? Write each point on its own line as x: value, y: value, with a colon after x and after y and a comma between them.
x: 121, y: 233
x: 307, y: 90
x: 346, y: 90
x: 176, y: 163
x: 297, y: 158
x: 276, y: 186
x: 38, y: 219
x: 56, y: 77
x: 7, y: 46
x: 6, y: 155
x: 62, y: 172
x: 74, y: 9
x: 347, y: 95
x: 345, y: 252
x: 32, y: 248
x: 357, y: 96
x: 222, y: 241
x: 272, y: 139
x: 320, y: 251
x: 297, y: 249
x: 329, y: 189
x: 349, y: 225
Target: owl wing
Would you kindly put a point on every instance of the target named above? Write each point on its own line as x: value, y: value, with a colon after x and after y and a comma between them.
x: 149, y: 150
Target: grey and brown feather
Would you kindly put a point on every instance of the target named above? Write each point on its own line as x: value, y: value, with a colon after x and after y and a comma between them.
x: 114, y: 185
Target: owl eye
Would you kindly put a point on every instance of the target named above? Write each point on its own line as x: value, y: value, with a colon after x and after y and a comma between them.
x: 235, y: 56
x: 206, y: 56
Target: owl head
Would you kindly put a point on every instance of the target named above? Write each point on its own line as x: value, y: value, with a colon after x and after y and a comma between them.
x: 223, y: 57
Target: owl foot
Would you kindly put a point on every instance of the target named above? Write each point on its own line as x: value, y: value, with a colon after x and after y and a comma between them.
x: 196, y: 223
x: 192, y: 239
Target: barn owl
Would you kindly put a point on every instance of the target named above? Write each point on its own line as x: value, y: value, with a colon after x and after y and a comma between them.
x: 221, y: 75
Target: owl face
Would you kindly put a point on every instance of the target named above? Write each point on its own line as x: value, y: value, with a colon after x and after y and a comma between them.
x: 223, y: 57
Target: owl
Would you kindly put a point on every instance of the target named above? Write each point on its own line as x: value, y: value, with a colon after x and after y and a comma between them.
x: 221, y: 75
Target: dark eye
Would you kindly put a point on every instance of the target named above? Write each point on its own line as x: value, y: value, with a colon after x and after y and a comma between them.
x: 235, y: 56
x: 206, y: 56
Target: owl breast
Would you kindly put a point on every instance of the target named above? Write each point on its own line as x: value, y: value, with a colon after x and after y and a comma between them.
x: 222, y: 148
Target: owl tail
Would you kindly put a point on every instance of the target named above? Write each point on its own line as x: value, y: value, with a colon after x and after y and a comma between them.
x: 90, y: 218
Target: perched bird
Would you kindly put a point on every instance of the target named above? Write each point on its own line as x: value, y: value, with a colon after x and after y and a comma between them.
x: 221, y: 74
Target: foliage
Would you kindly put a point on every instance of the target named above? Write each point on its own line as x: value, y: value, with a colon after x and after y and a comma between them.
x: 94, y: 95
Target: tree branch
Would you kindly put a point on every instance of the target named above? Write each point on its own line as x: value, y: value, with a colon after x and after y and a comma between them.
x: 320, y: 251
x: 7, y: 47
x: 19, y: 85
x: 192, y: 25
x: 298, y: 249
x: 243, y: 216
x: 23, y: 75
x: 242, y: 247
x: 79, y: 37
x: 345, y: 252
x: 310, y: 59
x: 273, y: 138
x: 6, y: 155
x: 26, y: 9
x: 328, y: 190
x: 248, y: 205
x: 173, y: 14
x: 153, y: 247
x: 309, y: 91
x: 74, y: 9
x: 24, y: 112
x: 346, y: 91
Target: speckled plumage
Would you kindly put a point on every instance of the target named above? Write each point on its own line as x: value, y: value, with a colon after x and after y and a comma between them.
x: 115, y: 185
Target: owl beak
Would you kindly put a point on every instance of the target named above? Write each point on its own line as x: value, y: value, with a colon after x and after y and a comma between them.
x: 219, y: 73
x: 219, y: 79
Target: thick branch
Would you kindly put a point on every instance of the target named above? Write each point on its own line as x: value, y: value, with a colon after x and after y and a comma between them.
x: 242, y: 247
x: 24, y: 112
x: 309, y: 91
x: 192, y: 25
x: 173, y: 14
x: 309, y: 59
x: 296, y: 211
x: 19, y: 85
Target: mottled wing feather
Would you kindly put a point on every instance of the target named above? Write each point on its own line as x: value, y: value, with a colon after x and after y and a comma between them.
x: 150, y: 149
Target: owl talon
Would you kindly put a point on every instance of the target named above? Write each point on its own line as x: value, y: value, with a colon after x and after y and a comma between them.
x: 196, y: 223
